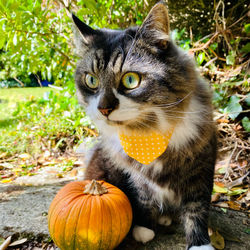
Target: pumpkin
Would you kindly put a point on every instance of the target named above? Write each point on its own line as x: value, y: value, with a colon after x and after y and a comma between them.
x: 89, y: 215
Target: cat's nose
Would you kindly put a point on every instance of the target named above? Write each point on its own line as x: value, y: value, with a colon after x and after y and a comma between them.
x: 105, y: 111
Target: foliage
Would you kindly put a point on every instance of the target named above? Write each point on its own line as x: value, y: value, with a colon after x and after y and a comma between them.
x: 54, y: 122
x: 34, y: 40
x: 37, y: 35
x: 201, y: 17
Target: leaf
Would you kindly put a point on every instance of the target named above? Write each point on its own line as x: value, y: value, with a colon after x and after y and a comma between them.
x: 247, y: 99
x: 246, y: 123
x: 233, y: 108
x: 6, y: 243
x: 2, y: 41
x: 233, y: 205
x: 218, y: 189
x: 6, y: 181
x: 217, y: 240
x: 18, y: 242
x: 246, y: 48
x: 201, y: 57
x: 230, y: 59
x: 15, y: 39
x: 247, y: 28
x: 213, y: 46
x: 236, y: 191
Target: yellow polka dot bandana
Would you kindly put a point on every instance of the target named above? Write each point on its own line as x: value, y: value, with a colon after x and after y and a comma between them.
x: 145, y: 148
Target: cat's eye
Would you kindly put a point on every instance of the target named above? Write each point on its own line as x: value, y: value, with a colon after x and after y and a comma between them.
x: 91, y: 81
x: 131, y: 80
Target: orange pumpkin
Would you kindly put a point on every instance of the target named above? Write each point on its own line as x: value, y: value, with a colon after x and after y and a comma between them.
x: 89, y: 215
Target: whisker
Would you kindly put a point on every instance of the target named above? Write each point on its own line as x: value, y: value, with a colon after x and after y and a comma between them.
x: 175, y: 103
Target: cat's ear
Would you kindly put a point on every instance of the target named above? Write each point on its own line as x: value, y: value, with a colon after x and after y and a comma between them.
x: 83, y: 33
x: 155, y: 27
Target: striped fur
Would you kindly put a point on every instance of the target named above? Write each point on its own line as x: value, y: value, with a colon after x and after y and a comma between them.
x: 170, y: 93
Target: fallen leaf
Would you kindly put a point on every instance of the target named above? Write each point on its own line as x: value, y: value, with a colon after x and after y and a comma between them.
x: 219, y: 189
x: 222, y: 121
x: 18, y: 242
x: 215, y: 197
x: 6, y: 181
x: 59, y: 175
x: 24, y: 156
x: 6, y: 165
x: 233, y: 205
x: 217, y: 240
x: 236, y: 191
x: 220, y: 184
x: 5, y: 243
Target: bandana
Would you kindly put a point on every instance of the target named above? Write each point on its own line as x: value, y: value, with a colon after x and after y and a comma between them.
x: 145, y: 148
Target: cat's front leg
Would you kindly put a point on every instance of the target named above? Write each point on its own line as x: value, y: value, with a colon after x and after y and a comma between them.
x: 145, y: 215
x: 95, y: 169
x: 195, y: 216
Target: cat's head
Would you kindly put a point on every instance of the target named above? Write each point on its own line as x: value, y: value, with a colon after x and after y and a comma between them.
x: 133, y: 79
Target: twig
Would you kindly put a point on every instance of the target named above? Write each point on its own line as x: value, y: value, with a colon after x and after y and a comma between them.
x: 38, y: 79
x: 220, y: 58
x: 205, y: 45
x: 20, y: 82
x: 238, y: 21
x: 209, y: 62
x: 237, y: 182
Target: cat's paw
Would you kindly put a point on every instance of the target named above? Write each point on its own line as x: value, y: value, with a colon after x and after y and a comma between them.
x: 165, y: 220
x: 203, y: 247
x: 143, y: 234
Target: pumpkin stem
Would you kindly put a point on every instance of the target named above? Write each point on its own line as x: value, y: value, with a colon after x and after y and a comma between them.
x: 95, y: 188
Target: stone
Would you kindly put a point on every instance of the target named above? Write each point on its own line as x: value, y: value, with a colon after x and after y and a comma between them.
x: 24, y: 210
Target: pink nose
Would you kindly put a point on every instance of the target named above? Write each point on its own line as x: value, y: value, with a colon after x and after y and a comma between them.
x: 105, y: 111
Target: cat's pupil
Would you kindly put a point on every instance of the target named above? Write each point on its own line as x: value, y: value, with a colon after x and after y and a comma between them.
x: 92, y: 80
x: 130, y: 79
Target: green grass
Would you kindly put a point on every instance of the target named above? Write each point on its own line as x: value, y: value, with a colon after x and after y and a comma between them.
x: 31, y: 122
x: 11, y: 96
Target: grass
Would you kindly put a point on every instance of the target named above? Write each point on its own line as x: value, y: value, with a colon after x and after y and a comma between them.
x: 11, y: 96
x: 33, y: 122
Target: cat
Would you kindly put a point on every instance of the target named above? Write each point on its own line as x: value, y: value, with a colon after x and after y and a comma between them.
x: 133, y: 82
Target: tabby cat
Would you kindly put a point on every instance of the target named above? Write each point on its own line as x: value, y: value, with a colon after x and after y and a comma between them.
x: 137, y: 85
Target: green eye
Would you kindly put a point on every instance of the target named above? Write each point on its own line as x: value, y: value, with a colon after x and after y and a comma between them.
x: 131, y: 80
x: 91, y: 81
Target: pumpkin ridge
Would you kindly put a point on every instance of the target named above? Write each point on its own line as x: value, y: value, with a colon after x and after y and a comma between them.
x: 72, y: 207
x: 55, y: 205
x: 85, y: 201
x: 110, y: 216
x: 89, y: 205
x: 100, y: 208
x: 122, y: 209
x: 111, y: 204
